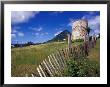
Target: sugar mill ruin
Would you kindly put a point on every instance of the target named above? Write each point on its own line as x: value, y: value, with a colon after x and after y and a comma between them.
x: 79, y: 30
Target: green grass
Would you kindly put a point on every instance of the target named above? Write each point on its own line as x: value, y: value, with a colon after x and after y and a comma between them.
x: 85, y: 67
x: 25, y: 59
x: 34, y: 54
x: 94, y: 53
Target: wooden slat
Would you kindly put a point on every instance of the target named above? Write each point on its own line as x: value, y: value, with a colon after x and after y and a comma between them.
x: 39, y: 72
x: 56, y: 60
x: 62, y: 58
x: 59, y: 60
x: 45, y: 70
x: 56, y: 64
x: 50, y: 61
x: 48, y: 68
x: 63, y: 53
x: 42, y: 71
x: 32, y: 75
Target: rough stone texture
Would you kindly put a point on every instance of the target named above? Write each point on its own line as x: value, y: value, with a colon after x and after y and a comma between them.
x: 79, y: 29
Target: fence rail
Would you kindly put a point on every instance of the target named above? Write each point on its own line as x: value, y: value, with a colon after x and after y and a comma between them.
x: 55, y: 64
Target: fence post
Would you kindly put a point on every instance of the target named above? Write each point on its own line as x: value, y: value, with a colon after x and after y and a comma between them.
x: 93, y: 41
x: 69, y: 44
x: 86, y: 46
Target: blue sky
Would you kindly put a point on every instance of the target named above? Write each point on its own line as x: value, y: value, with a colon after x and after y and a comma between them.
x: 44, y: 25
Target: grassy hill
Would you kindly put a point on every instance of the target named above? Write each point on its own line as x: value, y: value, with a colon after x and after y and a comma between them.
x: 26, y: 59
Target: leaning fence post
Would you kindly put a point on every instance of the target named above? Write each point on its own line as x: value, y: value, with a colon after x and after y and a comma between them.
x: 69, y: 44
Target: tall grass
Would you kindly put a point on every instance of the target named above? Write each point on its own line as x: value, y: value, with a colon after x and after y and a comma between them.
x: 25, y: 59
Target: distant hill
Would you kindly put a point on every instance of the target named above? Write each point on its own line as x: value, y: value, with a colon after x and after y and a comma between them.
x: 60, y: 37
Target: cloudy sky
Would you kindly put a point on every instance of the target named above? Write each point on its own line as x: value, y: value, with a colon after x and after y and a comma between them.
x: 44, y: 25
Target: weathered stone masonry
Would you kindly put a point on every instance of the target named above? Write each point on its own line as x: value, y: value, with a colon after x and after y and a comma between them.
x: 79, y: 29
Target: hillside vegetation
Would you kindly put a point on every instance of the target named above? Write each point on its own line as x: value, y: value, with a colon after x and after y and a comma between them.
x: 25, y: 60
x: 85, y: 67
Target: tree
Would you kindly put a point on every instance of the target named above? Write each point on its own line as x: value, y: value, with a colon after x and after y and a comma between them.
x: 99, y: 35
x: 88, y: 30
x: 29, y: 43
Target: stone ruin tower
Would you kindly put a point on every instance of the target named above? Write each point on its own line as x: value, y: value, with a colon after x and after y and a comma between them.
x: 79, y: 30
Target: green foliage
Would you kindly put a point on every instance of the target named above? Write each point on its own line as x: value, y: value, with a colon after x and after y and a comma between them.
x: 78, y: 40
x: 82, y: 68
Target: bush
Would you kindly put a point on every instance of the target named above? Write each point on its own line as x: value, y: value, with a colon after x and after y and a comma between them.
x: 78, y: 40
x: 82, y: 68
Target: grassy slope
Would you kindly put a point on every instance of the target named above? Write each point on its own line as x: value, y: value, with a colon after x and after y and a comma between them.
x: 94, y: 53
x: 24, y: 60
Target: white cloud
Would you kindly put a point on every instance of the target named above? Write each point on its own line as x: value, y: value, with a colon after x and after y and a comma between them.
x: 94, y: 23
x: 20, y: 34
x: 72, y: 20
x: 14, y: 31
x: 36, y: 29
x: 39, y: 29
x: 70, y: 23
x: 13, y: 35
x: 22, y: 16
x: 57, y: 33
x: 41, y: 34
x: 36, y: 34
x: 91, y: 12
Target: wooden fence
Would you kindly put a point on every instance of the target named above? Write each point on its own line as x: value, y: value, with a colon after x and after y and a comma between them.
x: 55, y: 64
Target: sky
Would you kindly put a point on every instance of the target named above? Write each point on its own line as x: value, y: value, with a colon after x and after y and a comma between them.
x: 41, y: 26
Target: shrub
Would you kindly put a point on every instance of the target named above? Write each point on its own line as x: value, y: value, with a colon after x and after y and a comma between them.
x: 82, y: 68
x: 78, y: 40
